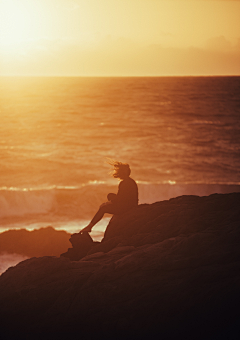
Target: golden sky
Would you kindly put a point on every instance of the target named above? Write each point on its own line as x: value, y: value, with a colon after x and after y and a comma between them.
x: 119, y: 37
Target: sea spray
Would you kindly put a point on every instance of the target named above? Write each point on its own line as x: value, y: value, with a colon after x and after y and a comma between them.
x: 9, y: 260
x: 80, y: 203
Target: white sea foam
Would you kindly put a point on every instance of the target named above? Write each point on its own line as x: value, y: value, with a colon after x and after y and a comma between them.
x: 24, y: 202
x: 81, y: 203
x: 150, y: 193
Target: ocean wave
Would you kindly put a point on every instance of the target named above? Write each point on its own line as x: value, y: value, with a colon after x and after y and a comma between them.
x: 150, y: 193
x: 10, y: 260
x: 21, y: 202
x: 82, y: 202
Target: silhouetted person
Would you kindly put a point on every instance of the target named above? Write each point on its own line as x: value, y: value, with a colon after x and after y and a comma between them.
x: 125, y: 199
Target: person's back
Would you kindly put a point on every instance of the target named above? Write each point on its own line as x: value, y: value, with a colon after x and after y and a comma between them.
x: 127, y: 196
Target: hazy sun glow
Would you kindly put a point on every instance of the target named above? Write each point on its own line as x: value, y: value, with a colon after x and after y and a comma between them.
x: 19, y: 21
x: 119, y: 37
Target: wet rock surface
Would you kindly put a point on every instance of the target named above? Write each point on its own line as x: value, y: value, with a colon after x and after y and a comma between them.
x: 165, y: 270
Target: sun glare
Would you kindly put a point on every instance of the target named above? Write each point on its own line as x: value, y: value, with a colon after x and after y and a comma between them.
x: 19, y: 22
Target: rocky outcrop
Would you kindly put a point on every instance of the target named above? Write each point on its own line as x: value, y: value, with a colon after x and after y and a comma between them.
x: 38, y: 242
x: 166, y: 270
x: 81, y: 245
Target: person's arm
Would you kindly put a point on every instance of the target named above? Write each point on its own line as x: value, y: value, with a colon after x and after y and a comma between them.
x: 120, y: 194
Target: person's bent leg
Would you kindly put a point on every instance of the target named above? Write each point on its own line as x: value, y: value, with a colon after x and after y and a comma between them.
x: 108, y: 208
x: 98, y: 216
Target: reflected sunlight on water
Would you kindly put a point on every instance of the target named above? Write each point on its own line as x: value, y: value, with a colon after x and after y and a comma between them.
x: 180, y: 135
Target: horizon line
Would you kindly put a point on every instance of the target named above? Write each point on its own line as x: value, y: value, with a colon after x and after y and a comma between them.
x: 118, y: 76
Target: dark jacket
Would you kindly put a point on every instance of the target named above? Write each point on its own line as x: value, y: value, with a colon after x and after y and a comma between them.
x: 127, y: 196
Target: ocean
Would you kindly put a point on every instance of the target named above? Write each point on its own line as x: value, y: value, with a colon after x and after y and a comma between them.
x: 180, y: 135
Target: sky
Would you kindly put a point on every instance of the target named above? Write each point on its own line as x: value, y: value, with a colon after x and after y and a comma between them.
x: 119, y: 37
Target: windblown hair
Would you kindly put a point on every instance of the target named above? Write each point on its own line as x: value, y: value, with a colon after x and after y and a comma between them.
x: 120, y: 170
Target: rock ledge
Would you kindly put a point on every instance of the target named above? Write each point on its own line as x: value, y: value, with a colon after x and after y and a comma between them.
x: 166, y: 270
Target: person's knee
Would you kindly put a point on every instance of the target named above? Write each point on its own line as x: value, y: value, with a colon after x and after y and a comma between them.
x: 111, y: 197
x: 108, y: 208
x: 102, y: 209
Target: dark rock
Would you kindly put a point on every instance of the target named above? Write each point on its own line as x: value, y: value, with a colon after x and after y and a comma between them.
x: 39, y: 242
x: 81, y: 245
x: 169, y: 270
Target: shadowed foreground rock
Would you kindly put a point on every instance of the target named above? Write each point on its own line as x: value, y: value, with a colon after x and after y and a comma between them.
x: 166, y: 270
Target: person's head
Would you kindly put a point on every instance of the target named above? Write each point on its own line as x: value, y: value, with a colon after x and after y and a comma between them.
x: 120, y: 170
